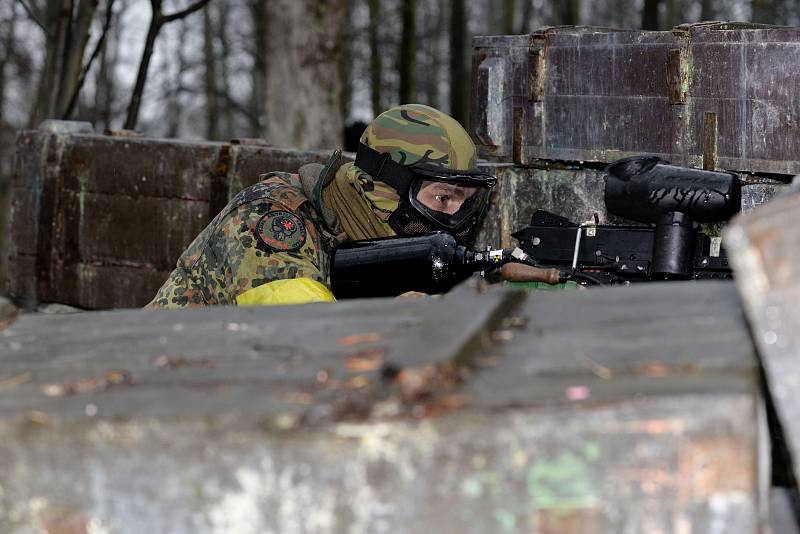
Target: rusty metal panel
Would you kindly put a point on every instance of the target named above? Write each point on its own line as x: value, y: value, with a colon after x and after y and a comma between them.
x: 609, y: 94
x: 360, y: 414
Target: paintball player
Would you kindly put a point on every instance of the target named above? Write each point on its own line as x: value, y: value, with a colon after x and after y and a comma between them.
x: 415, y: 172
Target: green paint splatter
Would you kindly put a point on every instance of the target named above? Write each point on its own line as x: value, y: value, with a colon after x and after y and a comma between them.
x: 506, y: 520
x: 592, y: 452
x: 562, y: 483
x: 472, y: 487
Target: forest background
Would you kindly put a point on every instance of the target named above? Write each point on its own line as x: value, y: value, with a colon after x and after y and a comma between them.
x: 297, y: 73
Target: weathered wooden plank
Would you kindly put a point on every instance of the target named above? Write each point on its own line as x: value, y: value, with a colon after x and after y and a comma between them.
x: 21, y: 280
x: 610, y: 94
x: 559, y: 470
x: 628, y: 121
x: 247, y: 348
x: 570, y: 341
x: 94, y: 287
x: 23, y: 225
x: 249, y: 415
x: 248, y: 162
x: 763, y: 247
x: 50, y: 225
x: 29, y: 159
x: 120, y: 230
x: 607, y: 63
x: 137, y: 167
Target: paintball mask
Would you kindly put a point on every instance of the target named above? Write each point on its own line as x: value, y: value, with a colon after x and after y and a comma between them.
x: 429, y: 160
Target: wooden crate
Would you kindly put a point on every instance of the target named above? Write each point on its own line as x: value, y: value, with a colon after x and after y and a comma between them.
x: 99, y: 221
x: 728, y: 92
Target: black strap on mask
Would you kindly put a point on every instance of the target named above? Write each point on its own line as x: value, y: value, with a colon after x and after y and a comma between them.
x: 383, y: 168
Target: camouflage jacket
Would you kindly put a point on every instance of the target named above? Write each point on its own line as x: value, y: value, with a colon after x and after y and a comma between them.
x: 269, y: 231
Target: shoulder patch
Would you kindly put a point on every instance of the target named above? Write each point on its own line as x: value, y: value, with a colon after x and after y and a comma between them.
x: 280, y: 231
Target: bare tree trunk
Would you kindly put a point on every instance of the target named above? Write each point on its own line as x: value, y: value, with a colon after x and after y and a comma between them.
x: 707, y: 11
x: 527, y: 14
x: 650, y: 15
x: 144, y: 65
x: 258, y: 118
x: 54, y: 30
x: 9, y: 51
x: 175, y: 88
x: 70, y: 99
x: 303, y: 78
x: 375, y: 69
x: 209, y: 58
x: 104, y: 90
x: 458, y: 81
x: 73, y: 59
x: 508, y: 17
x: 224, y: 86
x: 674, y: 13
x: 105, y: 82
x: 408, y: 51
x: 67, y: 28
x: 157, y: 21
x: 60, y: 52
x: 435, y: 63
x: 345, y: 61
x: 569, y: 12
x: 763, y: 11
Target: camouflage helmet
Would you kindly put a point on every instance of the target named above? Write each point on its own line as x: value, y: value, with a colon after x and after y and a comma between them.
x: 414, y: 133
x: 411, y: 145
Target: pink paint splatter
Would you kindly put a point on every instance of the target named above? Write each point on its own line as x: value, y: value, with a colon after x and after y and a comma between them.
x: 578, y: 393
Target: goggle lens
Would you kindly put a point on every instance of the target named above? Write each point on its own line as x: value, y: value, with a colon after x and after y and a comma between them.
x: 449, y: 204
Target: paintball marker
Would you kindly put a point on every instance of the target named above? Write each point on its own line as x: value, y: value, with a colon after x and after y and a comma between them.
x: 430, y: 263
x: 671, y: 201
x: 671, y: 247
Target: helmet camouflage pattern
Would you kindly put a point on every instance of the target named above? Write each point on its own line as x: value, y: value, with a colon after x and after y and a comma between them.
x: 414, y: 133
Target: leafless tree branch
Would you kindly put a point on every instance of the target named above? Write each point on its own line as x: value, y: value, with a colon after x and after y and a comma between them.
x: 34, y: 18
x: 156, y: 23
x: 184, y: 12
x: 97, y: 48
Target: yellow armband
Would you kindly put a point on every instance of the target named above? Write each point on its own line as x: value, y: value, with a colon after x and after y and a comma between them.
x: 291, y: 291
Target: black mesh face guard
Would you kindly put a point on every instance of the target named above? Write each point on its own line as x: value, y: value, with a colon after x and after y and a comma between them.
x: 407, y: 220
